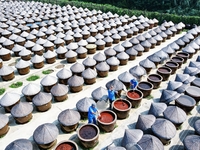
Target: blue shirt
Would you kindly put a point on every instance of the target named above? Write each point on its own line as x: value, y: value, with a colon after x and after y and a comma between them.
x: 134, y: 83
x: 111, y: 95
x: 91, y: 111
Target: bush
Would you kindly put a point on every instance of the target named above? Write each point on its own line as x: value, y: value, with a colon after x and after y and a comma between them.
x: 2, y: 90
x: 47, y: 71
x: 16, y: 85
x: 33, y: 78
x: 121, y: 11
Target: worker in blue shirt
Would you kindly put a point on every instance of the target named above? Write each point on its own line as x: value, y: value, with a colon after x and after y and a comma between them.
x: 133, y: 84
x: 92, y: 112
x: 111, y: 95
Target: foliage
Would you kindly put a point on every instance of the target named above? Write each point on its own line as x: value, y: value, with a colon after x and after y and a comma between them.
x: 16, y: 85
x: 47, y: 71
x: 122, y: 11
x: 33, y: 78
x: 149, y: 97
x: 180, y: 7
x: 2, y: 90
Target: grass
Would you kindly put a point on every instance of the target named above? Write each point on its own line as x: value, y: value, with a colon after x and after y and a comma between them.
x: 149, y: 97
x: 2, y: 136
x: 47, y: 71
x: 2, y: 90
x: 16, y: 85
x: 33, y: 78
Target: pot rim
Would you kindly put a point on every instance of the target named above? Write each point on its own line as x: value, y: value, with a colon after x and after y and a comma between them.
x: 177, y: 65
x: 178, y: 57
x: 67, y: 141
x: 87, y: 140
x: 136, y: 90
x: 161, y: 78
x: 130, y: 105
x: 109, y: 111
x: 170, y: 70
x: 184, y: 53
x: 147, y: 83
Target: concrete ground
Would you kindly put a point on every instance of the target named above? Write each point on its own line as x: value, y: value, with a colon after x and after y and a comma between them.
x: 114, y: 138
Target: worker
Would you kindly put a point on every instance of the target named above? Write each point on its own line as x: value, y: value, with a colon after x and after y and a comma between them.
x: 92, y: 112
x: 133, y: 84
x: 111, y: 95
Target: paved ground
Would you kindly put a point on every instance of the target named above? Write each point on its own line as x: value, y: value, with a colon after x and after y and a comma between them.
x: 26, y: 131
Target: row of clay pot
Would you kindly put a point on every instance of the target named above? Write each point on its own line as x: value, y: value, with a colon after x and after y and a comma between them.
x: 26, y: 69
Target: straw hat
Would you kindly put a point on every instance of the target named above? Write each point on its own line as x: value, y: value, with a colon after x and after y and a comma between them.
x: 163, y: 128
x: 42, y: 98
x: 84, y: 104
x: 21, y: 109
x: 150, y: 142
x: 45, y: 133
x: 69, y: 117
x: 157, y: 109
x: 59, y: 90
x: 131, y: 136
x: 20, y: 144
x: 31, y: 89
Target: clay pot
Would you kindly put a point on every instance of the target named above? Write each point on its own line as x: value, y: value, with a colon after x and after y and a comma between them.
x: 123, y: 38
x: 123, y: 62
x: 113, y: 67
x: 50, y: 60
x: 67, y: 145
x: 90, y: 81
x: 91, y: 48
x: 38, y: 65
x: 63, y: 81
x: 43, y: 108
x: 183, y: 55
x: 51, y: 48
x: 88, y: 135
x: 27, y: 57
x: 47, y: 88
x: 172, y: 65
x: 4, y: 130
x: 194, y: 92
x: 8, y: 77
x: 102, y: 73
x: 122, y: 108
x: 40, y: 53
x: 116, y: 41
x: 145, y: 87
x: 83, y: 55
x: 6, y: 57
x: 185, y: 102
x: 75, y: 89
x: 178, y: 60
x: 47, y: 146
x: 10, y: 47
x: 86, y: 36
x: 1, y: 64
x: 155, y: 79
x: 107, y: 120
x: 108, y: 44
x: 23, y: 120
x: 67, y: 42
x: 61, y: 56
x: 60, y: 44
x: 8, y: 108
x: 60, y: 98
x: 165, y: 72
x: 71, y: 60
x: 100, y: 47
x: 23, y: 71
x: 135, y: 97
